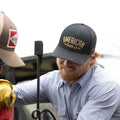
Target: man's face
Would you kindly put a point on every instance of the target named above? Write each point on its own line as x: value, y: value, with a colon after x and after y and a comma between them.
x: 70, y: 71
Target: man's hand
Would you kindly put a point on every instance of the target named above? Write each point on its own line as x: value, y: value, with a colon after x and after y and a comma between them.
x: 7, y: 97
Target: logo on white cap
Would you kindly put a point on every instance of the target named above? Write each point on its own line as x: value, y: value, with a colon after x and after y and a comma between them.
x: 12, y: 40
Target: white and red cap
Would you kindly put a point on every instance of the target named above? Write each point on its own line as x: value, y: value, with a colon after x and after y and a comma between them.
x: 8, y: 41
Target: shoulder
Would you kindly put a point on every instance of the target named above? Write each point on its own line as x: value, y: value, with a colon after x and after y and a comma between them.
x: 101, y: 83
x: 101, y: 76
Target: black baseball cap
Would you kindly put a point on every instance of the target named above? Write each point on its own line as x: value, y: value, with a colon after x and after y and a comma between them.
x: 77, y: 43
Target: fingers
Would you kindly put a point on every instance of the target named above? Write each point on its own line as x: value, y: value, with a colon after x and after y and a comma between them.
x: 12, y: 99
x: 1, y: 105
x: 7, y: 99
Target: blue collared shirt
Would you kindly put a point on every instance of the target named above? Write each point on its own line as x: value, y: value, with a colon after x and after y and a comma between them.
x: 93, y: 97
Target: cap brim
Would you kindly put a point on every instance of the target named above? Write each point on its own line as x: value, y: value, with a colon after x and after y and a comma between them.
x: 10, y: 58
x: 71, y: 56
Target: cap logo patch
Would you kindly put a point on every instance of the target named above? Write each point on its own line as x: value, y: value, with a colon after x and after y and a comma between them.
x: 73, y: 43
x: 12, y: 40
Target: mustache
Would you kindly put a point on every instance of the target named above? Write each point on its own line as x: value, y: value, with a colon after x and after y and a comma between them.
x: 63, y: 66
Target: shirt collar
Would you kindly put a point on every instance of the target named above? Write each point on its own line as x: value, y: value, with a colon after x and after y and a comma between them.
x: 85, y: 78
x: 61, y: 82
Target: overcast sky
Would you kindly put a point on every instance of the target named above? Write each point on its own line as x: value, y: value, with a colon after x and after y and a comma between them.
x: 45, y: 20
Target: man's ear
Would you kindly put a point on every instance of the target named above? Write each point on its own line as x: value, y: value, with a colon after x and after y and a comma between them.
x: 93, y: 57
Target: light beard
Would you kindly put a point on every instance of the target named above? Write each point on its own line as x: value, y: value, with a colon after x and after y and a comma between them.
x: 68, y: 77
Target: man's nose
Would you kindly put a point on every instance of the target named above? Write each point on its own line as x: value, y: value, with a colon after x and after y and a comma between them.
x: 66, y: 62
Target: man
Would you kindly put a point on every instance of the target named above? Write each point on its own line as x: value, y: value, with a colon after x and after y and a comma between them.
x: 80, y: 89
x: 8, y: 41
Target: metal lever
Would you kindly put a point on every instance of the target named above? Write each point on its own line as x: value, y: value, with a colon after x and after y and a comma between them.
x: 36, y: 114
x: 38, y: 52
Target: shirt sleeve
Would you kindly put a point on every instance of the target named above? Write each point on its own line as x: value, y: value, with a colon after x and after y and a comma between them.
x: 26, y: 92
x: 101, y: 104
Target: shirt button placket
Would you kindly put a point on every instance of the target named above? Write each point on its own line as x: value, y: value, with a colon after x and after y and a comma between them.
x: 71, y: 104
